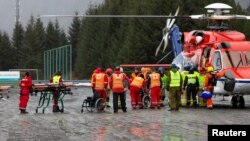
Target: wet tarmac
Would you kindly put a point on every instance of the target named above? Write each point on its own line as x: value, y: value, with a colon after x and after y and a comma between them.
x: 188, y: 124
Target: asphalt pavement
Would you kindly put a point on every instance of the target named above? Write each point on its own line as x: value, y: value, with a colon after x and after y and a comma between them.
x: 187, y: 124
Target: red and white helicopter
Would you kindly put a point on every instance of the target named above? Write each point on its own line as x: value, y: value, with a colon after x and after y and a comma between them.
x: 226, y: 50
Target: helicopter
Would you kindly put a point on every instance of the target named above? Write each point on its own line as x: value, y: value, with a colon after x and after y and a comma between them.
x: 226, y: 50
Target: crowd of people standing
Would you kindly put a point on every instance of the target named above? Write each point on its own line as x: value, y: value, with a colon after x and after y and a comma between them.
x: 143, y: 81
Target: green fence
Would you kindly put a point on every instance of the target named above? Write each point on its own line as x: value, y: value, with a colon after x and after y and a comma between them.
x: 58, y: 59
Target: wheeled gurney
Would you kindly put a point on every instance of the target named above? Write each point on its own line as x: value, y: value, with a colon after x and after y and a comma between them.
x: 4, y: 90
x: 47, y: 90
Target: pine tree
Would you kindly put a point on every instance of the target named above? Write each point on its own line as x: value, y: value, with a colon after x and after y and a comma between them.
x: 17, y: 37
x: 7, y: 53
x: 28, y: 47
x: 39, y: 43
x: 74, y: 33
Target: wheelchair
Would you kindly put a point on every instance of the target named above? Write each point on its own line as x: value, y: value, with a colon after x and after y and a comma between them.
x: 146, y: 100
x: 93, y: 104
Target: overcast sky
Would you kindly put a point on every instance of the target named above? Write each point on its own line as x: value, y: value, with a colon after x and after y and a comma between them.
x: 40, y: 7
x: 43, y: 7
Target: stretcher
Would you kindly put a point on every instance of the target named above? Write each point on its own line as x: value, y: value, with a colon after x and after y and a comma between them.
x: 47, y: 90
x: 4, y: 90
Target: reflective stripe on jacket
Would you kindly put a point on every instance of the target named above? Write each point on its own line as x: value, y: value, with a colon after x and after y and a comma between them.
x: 191, y: 78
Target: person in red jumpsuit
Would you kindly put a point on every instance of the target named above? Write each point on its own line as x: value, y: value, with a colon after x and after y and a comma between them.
x: 137, y: 86
x: 25, y: 86
x: 154, y: 83
x: 100, y: 84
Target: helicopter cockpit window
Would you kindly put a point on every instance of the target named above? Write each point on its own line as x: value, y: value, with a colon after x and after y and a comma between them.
x: 247, y: 56
x: 217, y: 61
x: 232, y: 59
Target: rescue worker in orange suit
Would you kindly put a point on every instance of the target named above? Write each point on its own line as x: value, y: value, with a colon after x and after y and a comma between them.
x: 210, y: 82
x: 100, y: 84
x: 109, y: 72
x: 25, y: 86
x: 191, y: 85
x: 93, y: 75
x: 154, y: 83
x: 56, y: 79
x: 137, y: 86
x: 134, y: 74
x: 117, y: 84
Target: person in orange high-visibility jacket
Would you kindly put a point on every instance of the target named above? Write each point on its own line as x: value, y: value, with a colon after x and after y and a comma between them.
x: 209, y: 83
x: 97, y: 70
x: 25, y: 86
x: 117, y: 84
x: 100, y: 84
x: 154, y: 83
x: 137, y: 86
x: 134, y: 74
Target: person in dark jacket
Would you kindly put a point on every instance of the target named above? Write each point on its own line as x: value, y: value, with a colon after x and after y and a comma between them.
x: 191, y: 85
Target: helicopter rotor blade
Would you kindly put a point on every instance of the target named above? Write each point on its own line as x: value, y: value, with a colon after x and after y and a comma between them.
x: 158, y: 48
x: 165, y: 31
x: 173, y: 20
x: 168, y: 20
x: 165, y: 42
x: 197, y: 16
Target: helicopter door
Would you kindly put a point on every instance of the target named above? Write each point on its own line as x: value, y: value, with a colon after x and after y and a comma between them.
x: 229, y: 82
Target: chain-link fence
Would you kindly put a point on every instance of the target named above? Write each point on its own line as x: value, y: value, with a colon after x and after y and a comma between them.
x: 58, y: 59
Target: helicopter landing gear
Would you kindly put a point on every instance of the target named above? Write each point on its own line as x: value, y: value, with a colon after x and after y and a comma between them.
x: 238, y: 101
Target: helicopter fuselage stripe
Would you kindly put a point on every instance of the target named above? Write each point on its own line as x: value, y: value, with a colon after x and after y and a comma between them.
x: 236, y: 81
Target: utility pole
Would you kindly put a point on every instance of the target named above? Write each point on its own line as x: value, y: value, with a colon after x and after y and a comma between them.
x: 17, y: 11
x: 17, y: 26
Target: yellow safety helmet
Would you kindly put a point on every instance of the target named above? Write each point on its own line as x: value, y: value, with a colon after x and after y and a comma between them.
x: 210, y: 69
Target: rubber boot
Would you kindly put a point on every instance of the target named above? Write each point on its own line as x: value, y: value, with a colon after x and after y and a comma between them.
x: 195, y: 104
x: 23, y: 111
